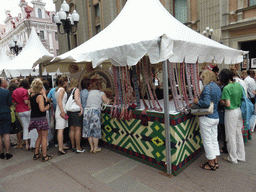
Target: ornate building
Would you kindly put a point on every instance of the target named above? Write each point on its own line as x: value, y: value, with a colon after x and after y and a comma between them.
x: 35, y: 16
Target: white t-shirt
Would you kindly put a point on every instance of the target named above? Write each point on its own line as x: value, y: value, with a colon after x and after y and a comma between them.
x: 237, y: 79
x: 251, y: 85
x: 94, y: 99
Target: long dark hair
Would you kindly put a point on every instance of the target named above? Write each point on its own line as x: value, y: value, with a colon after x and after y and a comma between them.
x: 25, y: 84
x: 225, y: 75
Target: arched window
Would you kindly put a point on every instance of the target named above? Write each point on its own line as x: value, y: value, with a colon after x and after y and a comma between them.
x: 39, y: 13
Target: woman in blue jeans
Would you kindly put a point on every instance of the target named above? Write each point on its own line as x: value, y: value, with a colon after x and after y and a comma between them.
x: 209, y: 123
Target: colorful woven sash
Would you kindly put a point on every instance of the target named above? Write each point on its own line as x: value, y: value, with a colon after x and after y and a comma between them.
x: 188, y: 74
x: 183, y: 82
x: 172, y: 80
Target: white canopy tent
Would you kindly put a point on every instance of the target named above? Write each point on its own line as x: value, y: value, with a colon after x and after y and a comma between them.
x: 145, y: 27
x: 4, y: 59
x: 34, y: 52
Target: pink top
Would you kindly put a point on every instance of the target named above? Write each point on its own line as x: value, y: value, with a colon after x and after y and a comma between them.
x: 18, y: 96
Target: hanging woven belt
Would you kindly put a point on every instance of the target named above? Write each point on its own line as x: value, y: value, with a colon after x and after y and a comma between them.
x: 193, y: 80
x: 177, y: 73
x: 171, y: 74
x: 116, y: 92
x: 188, y: 74
x: 148, y: 84
x: 152, y: 86
x: 197, y: 78
x: 136, y: 84
x: 183, y: 83
x: 143, y: 88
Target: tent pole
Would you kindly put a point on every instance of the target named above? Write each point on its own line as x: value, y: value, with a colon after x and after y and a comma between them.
x: 167, y: 119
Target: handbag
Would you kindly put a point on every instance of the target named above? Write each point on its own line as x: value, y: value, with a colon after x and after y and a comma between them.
x: 247, y: 108
x: 16, y: 126
x: 197, y: 110
x: 71, y: 104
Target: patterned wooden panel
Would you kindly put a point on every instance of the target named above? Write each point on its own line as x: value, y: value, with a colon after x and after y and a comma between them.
x: 147, y: 143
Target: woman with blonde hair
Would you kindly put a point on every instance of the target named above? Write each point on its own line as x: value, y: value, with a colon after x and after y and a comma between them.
x: 75, y: 121
x: 209, y: 123
x: 38, y: 119
x: 60, y: 113
x: 92, y: 116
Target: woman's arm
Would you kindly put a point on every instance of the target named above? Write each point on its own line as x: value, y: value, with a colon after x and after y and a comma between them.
x: 205, y: 98
x: 61, y: 94
x: 78, y: 100
x: 40, y: 101
x: 225, y: 102
x: 105, y: 99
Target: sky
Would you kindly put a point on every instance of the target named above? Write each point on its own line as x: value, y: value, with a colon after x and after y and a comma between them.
x: 13, y: 6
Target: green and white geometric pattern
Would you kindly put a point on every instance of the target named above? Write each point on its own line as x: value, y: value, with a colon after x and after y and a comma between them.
x: 150, y: 140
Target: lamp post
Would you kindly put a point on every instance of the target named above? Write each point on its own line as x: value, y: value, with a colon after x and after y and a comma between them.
x: 68, y: 21
x: 208, y: 32
x: 15, y: 46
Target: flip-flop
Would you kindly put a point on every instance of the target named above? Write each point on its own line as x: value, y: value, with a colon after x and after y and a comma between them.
x: 212, y: 168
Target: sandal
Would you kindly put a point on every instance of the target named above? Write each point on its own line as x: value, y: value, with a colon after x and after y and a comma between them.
x: 217, y: 165
x: 212, y: 168
x: 37, y: 156
x: 62, y: 152
x: 46, y: 158
x: 96, y: 150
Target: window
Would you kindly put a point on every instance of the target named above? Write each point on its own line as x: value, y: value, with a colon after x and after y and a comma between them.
x: 97, y: 10
x: 252, y: 2
x: 56, y: 36
x: 41, y: 34
x: 98, y: 29
x: 180, y: 10
x: 39, y: 13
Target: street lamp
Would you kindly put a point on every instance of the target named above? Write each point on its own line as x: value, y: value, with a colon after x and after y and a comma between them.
x: 68, y: 21
x: 208, y: 32
x: 15, y: 46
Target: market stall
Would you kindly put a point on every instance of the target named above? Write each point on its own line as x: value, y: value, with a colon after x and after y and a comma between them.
x: 34, y: 52
x: 146, y: 28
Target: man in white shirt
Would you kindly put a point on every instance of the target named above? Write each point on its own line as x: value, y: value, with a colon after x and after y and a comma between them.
x: 251, y: 85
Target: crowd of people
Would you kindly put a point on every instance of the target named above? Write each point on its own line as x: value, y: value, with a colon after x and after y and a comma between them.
x: 37, y: 109
x: 225, y: 90
x: 78, y: 108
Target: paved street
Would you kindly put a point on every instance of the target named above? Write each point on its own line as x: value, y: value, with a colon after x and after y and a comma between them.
x: 109, y: 171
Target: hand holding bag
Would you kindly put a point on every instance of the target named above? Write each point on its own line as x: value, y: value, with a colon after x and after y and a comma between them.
x: 71, y: 104
x: 197, y: 110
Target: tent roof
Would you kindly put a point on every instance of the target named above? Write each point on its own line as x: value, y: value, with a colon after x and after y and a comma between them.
x: 34, y: 52
x: 145, y: 27
x: 4, y: 59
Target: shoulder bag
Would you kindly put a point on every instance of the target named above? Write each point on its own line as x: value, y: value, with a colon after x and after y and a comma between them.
x: 71, y: 105
x: 197, y: 110
x: 247, y: 108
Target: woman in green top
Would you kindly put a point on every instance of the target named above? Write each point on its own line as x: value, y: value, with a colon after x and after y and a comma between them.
x: 231, y: 99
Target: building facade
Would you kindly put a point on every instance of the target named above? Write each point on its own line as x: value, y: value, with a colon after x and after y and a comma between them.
x: 35, y: 16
